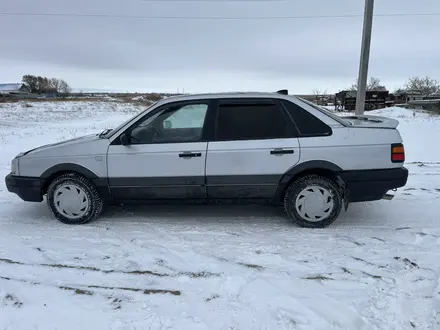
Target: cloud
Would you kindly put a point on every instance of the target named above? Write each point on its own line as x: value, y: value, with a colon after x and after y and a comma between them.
x: 134, y: 53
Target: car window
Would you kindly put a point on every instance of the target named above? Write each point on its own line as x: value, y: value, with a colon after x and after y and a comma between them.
x: 307, y: 124
x: 250, y: 121
x: 173, y: 124
x: 325, y: 111
x: 191, y: 116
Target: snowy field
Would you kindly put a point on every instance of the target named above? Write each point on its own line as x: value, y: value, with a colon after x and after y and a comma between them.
x: 195, y: 268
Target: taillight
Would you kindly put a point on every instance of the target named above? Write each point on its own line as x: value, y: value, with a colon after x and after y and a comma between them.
x: 397, y: 153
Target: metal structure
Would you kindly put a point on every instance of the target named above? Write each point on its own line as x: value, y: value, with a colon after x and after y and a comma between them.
x: 372, y: 100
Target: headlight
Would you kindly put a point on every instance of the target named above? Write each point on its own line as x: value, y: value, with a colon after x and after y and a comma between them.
x: 14, y: 166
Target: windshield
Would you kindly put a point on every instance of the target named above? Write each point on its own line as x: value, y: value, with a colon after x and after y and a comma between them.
x: 109, y: 132
x: 325, y: 111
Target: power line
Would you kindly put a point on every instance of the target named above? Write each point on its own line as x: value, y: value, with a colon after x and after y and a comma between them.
x: 210, y: 17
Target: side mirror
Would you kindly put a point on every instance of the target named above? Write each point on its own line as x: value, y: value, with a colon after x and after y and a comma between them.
x: 167, y: 124
x: 125, y: 139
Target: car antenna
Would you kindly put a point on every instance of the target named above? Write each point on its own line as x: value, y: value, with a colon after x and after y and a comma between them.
x: 283, y: 91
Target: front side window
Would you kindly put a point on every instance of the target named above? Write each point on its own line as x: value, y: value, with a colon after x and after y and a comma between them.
x: 173, y: 124
x: 250, y: 121
x: 191, y: 116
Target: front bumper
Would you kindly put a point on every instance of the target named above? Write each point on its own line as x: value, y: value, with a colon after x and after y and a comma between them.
x: 28, y: 189
x: 372, y: 185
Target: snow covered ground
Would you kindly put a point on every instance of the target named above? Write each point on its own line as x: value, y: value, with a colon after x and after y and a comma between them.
x: 197, y: 268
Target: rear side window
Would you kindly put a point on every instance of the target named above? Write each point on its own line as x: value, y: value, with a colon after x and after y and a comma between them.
x: 307, y: 124
x: 250, y: 121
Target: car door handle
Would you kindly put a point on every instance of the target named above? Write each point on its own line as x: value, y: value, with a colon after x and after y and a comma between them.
x: 281, y: 151
x: 188, y: 154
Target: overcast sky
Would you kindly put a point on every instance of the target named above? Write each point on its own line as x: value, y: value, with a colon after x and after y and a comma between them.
x: 216, y: 55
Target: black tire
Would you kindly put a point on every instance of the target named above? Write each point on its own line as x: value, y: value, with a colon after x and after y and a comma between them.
x: 333, y: 203
x: 88, y: 192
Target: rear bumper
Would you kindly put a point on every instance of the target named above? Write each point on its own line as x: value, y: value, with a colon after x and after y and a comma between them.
x: 372, y: 185
x: 28, y: 189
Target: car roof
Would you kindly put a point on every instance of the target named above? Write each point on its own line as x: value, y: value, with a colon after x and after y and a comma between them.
x: 234, y: 95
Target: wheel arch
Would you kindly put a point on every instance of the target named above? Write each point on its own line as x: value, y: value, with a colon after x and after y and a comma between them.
x: 55, y: 171
x: 319, y: 167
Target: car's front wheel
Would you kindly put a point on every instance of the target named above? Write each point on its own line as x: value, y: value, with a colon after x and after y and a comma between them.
x: 313, y: 201
x: 73, y: 199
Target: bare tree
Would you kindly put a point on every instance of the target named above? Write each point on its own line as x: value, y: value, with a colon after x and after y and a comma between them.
x: 399, y: 90
x: 424, y: 85
x: 354, y: 86
x: 38, y: 84
x: 318, y: 92
x: 55, y: 84
x: 373, y: 84
x: 31, y: 82
x: 319, y: 95
x: 64, y: 87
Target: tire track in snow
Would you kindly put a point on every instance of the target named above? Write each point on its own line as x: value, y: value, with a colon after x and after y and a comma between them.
x: 111, y: 271
x: 134, y: 244
x: 86, y: 289
x: 411, y: 286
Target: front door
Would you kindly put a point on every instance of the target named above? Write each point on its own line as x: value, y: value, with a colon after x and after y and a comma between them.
x: 254, y: 145
x: 165, y: 157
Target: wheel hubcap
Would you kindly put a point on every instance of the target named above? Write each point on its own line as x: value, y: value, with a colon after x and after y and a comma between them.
x: 71, y: 201
x: 314, y: 203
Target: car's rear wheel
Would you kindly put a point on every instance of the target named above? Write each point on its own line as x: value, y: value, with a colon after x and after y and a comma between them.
x: 73, y: 199
x: 313, y: 201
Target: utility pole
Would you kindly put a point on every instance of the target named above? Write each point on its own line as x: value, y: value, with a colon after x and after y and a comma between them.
x: 365, y: 57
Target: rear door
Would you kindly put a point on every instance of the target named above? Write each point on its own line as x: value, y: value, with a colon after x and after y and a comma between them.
x: 165, y: 157
x: 254, y: 144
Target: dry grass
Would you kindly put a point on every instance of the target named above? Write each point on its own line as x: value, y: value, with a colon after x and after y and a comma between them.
x: 134, y: 98
x: 28, y: 102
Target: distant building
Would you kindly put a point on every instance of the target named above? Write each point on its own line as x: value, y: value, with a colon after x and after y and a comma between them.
x: 14, y: 89
x: 407, y: 96
x: 429, y: 105
x: 49, y: 92
x: 435, y: 96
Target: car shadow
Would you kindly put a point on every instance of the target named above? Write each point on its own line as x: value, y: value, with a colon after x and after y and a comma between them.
x: 197, y: 213
x: 357, y: 214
